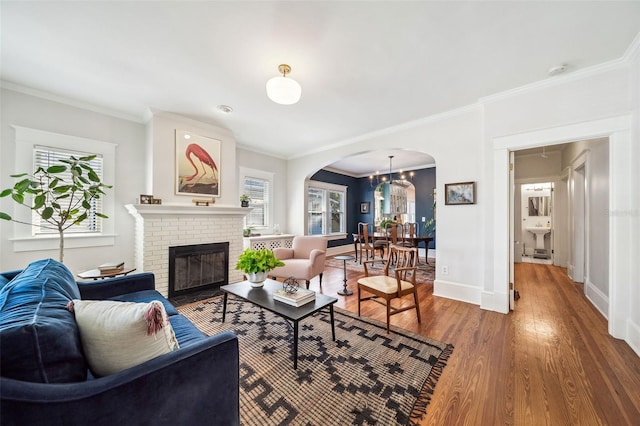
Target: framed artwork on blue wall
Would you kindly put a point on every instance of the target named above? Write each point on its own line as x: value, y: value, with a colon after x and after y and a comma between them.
x: 364, y: 207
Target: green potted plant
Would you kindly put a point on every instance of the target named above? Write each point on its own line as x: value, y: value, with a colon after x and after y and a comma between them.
x: 429, y: 227
x: 256, y: 263
x: 61, y: 194
x: 244, y: 200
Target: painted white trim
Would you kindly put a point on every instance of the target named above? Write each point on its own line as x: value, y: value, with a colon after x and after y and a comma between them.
x: 25, y: 141
x: 392, y: 130
x: 563, y: 134
x: 633, y: 333
x: 558, y: 80
x: 596, y: 297
x: 52, y: 242
x: 633, y: 50
x: 71, y: 102
x: 618, y: 129
x: 494, y: 301
x: 457, y: 291
x: 243, y: 173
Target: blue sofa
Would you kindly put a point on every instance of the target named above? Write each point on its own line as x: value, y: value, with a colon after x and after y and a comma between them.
x: 45, y: 378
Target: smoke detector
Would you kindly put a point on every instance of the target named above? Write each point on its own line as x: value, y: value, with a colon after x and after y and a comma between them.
x: 558, y: 69
x: 226, y: 109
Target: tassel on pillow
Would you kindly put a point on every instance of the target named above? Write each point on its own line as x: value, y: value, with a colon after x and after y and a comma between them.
x: 154, y: 318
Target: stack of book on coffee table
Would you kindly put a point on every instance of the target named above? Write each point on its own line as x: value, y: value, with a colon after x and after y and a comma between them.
x: 299, y: 298
x: 111, y: 267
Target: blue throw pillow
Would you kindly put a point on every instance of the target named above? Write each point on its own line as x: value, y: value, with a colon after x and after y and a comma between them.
x: 39, y: 337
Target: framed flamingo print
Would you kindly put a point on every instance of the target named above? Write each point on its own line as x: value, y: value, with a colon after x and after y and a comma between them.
x: 197, y: 164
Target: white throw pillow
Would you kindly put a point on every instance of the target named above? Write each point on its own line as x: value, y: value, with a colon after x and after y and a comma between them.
x: 119, y: 335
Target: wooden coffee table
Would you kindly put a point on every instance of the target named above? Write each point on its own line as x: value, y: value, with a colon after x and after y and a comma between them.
x: 263, y: 297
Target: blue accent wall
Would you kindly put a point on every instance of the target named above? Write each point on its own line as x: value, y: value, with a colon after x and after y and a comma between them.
x: 359, y: 190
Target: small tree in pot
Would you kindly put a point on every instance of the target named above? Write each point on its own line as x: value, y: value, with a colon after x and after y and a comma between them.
x: 61, y: 194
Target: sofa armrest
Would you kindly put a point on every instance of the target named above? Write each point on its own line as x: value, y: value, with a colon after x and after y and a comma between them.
x: 198, y: 384
x: 111, y: 287
x: 283, y: 253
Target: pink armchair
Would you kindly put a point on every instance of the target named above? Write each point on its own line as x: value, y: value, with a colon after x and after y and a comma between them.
x: 304, y: 260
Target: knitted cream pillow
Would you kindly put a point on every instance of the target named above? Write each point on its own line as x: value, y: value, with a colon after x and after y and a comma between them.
x: 119, y: 335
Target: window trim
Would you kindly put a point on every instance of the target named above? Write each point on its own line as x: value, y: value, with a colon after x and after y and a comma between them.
x: 245, y: 172
x: 26, y: 140
x: 325, y: 186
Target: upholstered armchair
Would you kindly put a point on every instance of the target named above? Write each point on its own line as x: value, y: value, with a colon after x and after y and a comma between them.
x: 304, y: 260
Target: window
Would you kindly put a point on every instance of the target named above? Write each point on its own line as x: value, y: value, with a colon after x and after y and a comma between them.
x: 326, y: 208
x: 27, y: 141
x: 44, y: 156
x: 257, y: 185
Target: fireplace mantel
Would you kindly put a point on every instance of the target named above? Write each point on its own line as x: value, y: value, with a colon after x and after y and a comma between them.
x: 165, y: 209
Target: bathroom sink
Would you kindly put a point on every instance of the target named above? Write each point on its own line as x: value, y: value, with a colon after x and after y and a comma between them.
x: 538, y: 230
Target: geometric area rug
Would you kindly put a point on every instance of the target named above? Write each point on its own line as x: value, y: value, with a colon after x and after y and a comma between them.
x: 365, y: 377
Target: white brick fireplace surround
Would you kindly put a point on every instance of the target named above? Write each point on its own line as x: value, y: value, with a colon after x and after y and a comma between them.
x: 160, y: 226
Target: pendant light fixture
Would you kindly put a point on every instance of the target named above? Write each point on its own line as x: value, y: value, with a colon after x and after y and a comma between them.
x: 284, y: 90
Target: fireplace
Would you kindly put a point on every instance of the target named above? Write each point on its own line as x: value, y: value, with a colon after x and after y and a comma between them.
x: 198, y: 267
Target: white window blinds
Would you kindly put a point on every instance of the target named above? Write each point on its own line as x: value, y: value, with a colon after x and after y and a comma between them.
x: 258, y: 190
x: 45, y: 157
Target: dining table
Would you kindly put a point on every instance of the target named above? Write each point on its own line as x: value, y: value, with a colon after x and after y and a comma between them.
x: 414, y: 240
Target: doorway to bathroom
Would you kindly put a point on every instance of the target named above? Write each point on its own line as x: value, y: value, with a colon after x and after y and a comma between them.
x: 536, y: 224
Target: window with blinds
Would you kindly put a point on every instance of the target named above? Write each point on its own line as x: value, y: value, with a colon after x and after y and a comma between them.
x: 258, y: 190
x: 45, y: 157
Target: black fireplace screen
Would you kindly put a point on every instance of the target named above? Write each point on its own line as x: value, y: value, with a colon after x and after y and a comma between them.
x: 198, y: 267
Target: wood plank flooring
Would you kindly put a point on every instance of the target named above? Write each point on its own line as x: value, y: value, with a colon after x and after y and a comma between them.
x: 551, y: 361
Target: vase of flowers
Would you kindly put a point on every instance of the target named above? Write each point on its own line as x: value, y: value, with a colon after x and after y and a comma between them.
x: 256, y: 264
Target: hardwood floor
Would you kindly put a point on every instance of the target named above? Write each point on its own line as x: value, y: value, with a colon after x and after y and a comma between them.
x: 551, y: 361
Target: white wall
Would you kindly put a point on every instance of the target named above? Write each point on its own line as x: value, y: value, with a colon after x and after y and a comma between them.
x: 591, y: 104
x: 473, y: 144
x: 278, y: 167
x: 163, y: 154
x: 470, y: 144
x: 455, y: 141
x: 35, y: 112
x: 633, y: 321
x: 528, y: 239
x: 598, y: 181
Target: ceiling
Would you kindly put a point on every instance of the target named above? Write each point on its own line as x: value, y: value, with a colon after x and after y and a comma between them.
x: 363, y: 66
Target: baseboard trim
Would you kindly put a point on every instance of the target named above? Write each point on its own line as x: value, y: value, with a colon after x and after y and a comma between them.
x: 597, y: 298
x: 457, y: 291
x: 633, y: 336
x: 496, y: 302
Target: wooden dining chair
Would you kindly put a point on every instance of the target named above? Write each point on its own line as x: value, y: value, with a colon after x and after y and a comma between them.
x: 364, y: 240
x: 394, y: 284
x: 409, y: 234
x: 393, y: 232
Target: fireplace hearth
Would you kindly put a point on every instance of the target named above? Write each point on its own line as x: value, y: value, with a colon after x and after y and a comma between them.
x: 198, y: 267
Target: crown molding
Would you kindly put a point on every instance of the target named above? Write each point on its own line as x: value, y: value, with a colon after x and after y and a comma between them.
x: 558, y: 80
x: 69, y: 101
x: 196, y: 124
x: 633, y: 51
x: 394, y: 129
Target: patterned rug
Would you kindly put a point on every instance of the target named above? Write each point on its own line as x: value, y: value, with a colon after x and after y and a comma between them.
x: 365, y: 377
x: 426, y: 272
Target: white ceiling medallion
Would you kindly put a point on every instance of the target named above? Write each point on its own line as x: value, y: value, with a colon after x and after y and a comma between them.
x: 284, y: 90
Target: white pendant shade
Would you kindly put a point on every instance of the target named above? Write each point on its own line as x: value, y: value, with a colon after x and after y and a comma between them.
x: 283, y: 90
